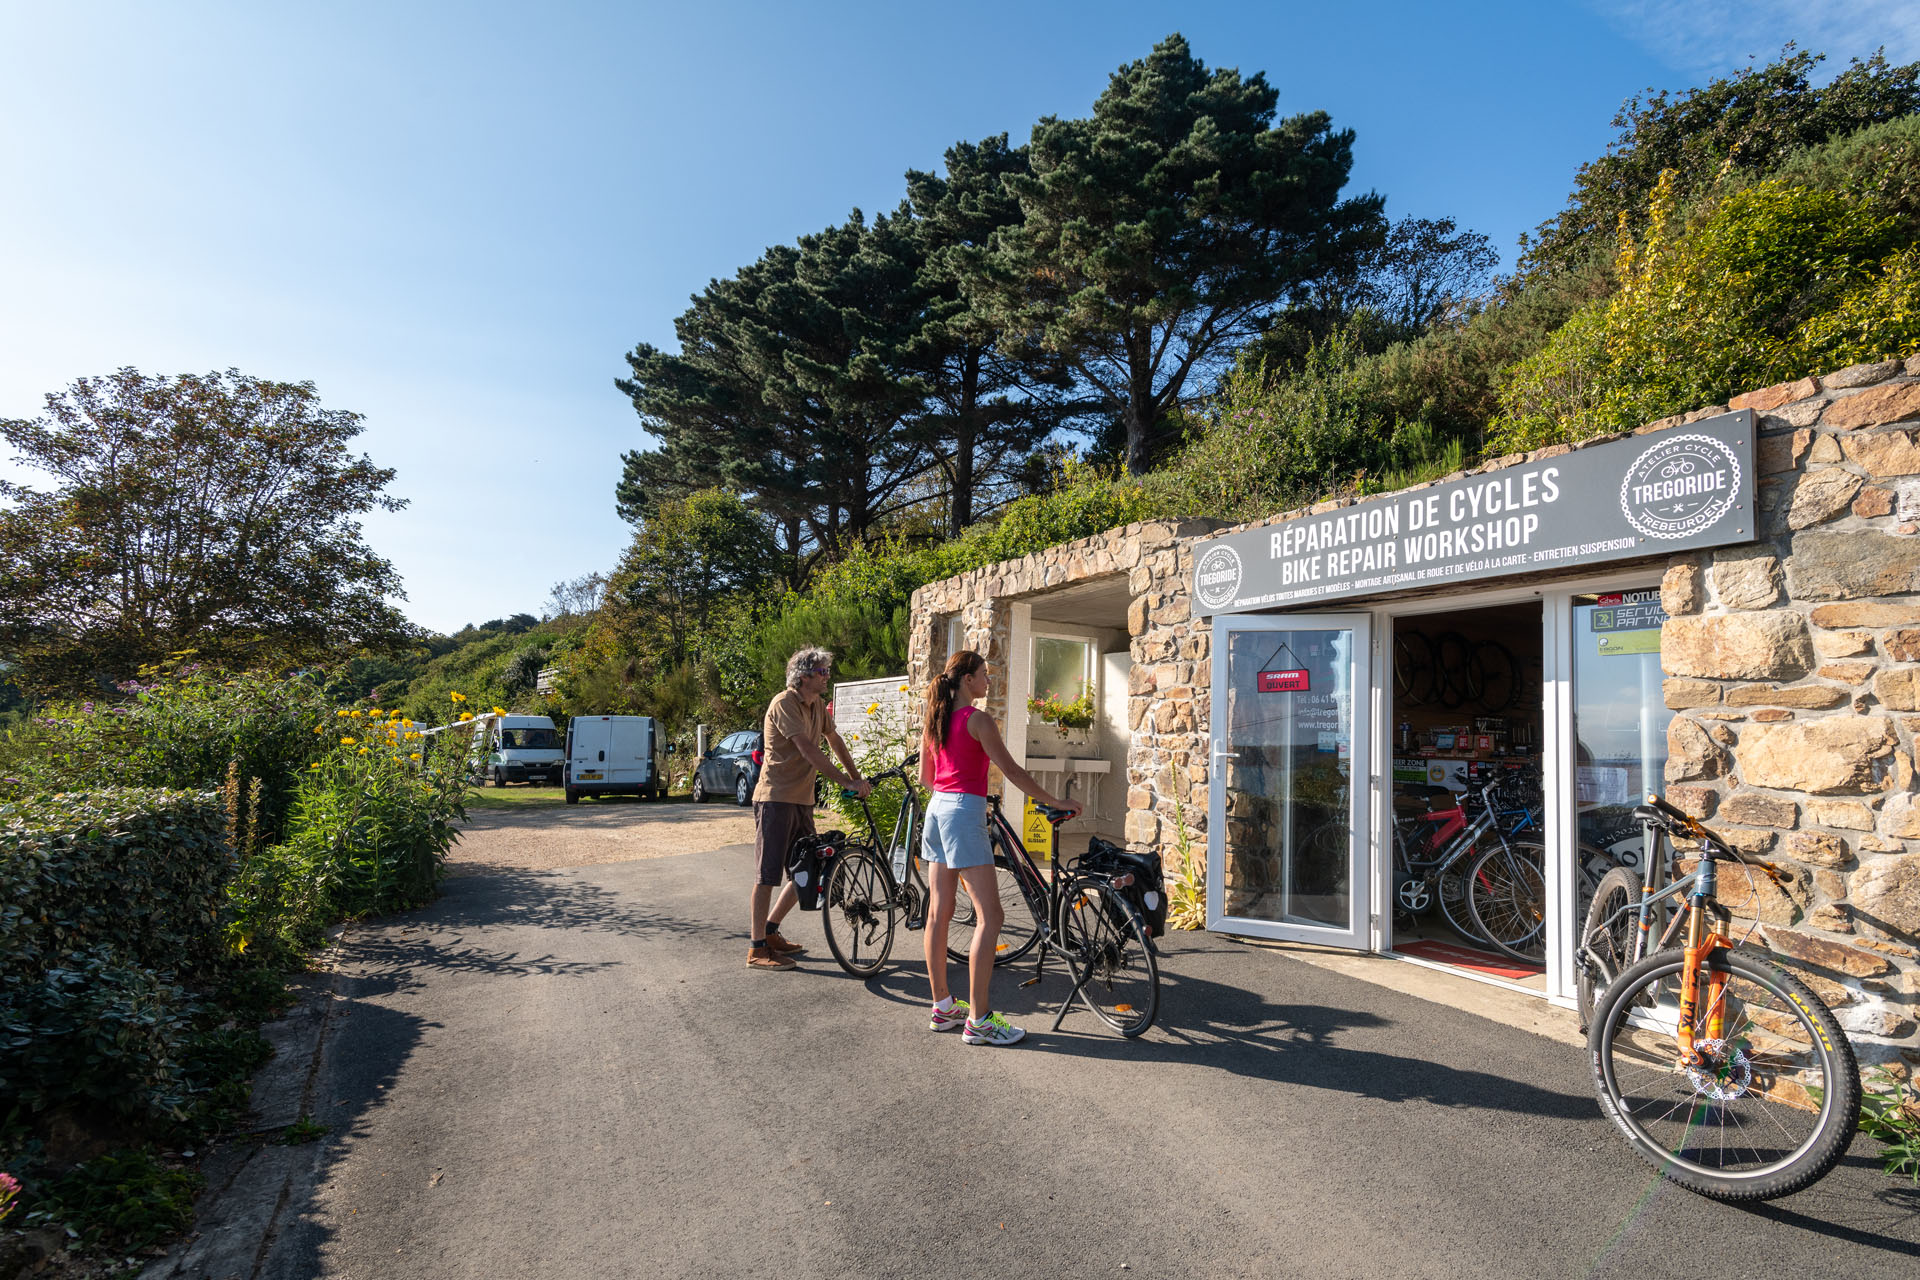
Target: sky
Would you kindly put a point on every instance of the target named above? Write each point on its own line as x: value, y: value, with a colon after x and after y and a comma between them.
x: 457, y: 219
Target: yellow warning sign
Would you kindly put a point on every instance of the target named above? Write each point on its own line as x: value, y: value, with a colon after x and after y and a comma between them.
x: 1035, y: 831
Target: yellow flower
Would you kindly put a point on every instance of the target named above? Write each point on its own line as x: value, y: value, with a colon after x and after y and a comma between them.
x: 356, y: 713
x: 362, y: 751
x: 458, y: 697
x: 374, y: 712
x: 499, y: 711
x: 465, y: 716
x: 903, y: 688
x: 347, y: 742
x: 873, y: 708
x: 319, y: 728
x: 314, y: 765
x: 414, y: 756
x: 341, y: 713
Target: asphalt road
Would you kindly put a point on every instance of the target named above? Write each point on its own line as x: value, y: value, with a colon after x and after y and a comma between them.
x: 573, y: 1074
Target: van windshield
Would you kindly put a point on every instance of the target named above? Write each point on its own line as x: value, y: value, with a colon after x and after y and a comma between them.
x: 530, y: 739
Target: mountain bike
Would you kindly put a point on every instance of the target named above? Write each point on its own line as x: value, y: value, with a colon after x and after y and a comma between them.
x: 1079, y: 913
x: 1724, y: 1072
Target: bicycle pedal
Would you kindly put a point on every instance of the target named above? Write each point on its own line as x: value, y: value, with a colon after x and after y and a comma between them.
x: 916, y: 923
x: 1031, y: 981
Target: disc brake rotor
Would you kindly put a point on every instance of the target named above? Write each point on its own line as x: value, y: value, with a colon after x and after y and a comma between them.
x: 1724, y: 1070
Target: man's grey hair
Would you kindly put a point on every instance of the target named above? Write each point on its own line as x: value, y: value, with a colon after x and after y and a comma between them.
x: 808, y: 662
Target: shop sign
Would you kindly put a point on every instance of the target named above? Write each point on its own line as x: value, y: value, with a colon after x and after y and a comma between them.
x: 1284, y: 682
x: 1627, y: 623
x: 1647, y: 495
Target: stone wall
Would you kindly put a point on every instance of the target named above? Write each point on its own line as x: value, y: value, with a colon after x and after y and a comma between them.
x: 1793, y: 666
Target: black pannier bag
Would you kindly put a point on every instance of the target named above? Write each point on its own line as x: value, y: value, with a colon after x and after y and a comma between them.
x: 810, y: 862
x: 1147, y: 893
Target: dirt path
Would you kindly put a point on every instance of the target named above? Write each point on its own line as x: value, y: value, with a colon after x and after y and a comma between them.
x: 546, y: 837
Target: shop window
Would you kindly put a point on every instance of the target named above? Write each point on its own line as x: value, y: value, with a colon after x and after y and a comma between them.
x: 1062, y: 668
x: 1620, y: 713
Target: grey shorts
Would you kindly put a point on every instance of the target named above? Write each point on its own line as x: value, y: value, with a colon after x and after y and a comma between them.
x: 776, y: 825
x: 957, y: 831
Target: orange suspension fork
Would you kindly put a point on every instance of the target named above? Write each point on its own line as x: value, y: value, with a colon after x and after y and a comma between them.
x: 1701, y: 944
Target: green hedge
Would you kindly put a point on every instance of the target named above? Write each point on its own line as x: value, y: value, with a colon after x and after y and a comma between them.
x: 104, y: 898
x: 140, y: 872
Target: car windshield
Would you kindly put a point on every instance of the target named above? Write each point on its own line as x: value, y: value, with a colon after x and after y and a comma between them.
x: 529, y: 739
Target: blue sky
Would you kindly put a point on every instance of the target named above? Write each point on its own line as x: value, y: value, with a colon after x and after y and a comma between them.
x: 456, y: 219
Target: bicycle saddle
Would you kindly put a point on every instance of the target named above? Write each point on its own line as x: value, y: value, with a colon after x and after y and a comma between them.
x: 1050, y: 813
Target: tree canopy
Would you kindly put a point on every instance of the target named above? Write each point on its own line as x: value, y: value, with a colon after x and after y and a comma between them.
x: 1747, y: 123
x: 216, y: 513
x: 1159, y: 233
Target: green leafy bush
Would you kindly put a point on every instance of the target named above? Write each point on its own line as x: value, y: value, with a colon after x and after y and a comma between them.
x: 368, y: 833
x: 124, y: 1199
x: 138, y: 872
x: 176, y: 731
x: 97, y: 1031
x: 1763, y: 285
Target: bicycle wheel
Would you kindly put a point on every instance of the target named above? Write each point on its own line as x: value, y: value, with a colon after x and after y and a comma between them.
x: 1106, y: 947
x: 1493, y: 669
x: 1607, y: 938
x: 1507, y: 897
x: 1019, y: 928
x: 1452, y: 895
x: 1455, y: 679
x: 1412, y: 669
x: 859, y: 913
x: 1771, y: 1106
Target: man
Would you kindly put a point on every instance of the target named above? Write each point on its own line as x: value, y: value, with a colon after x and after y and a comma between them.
x: 791, y: 763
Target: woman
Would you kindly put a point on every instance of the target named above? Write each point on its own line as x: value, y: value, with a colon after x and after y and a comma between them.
x: 959, y: 741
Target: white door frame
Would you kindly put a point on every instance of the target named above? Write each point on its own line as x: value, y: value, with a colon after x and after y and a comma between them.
x: 1363, y: 769
x: 1557, y: 756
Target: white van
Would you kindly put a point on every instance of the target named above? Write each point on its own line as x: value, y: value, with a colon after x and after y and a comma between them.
x: 613, y: 756
x: 517, y: 749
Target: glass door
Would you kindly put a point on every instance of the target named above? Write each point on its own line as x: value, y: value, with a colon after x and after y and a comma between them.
x: 1287, y: 833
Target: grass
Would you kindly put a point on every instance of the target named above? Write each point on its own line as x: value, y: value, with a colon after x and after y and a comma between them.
x: 521, y: 796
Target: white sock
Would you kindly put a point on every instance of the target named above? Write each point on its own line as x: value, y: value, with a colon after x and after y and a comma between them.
x: 944, y: 1006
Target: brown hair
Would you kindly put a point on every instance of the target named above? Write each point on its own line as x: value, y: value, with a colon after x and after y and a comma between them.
x: 943, y: 695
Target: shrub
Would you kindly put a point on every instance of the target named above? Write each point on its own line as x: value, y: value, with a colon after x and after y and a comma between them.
x: 369, y: 831
x: 124, y: 1199
x: 137, y: 872
x: 1763, y: 285
x: 176, y: 731
x: 95, y: 1030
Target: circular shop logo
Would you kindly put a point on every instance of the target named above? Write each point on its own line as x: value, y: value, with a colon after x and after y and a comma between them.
x: 1680, y: 487
x: 1216, y: 579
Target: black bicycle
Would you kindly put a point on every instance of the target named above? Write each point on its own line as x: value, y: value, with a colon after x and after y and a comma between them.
x: 874, y: 889
x: 1082, y: 912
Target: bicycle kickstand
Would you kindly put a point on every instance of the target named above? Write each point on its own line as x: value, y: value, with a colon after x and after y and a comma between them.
x: 1039, y: 965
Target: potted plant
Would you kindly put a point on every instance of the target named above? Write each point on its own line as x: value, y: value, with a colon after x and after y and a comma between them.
x: 1071, y: 719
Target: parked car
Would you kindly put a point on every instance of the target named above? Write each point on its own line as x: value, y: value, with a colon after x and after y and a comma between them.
x: 613, y: 756
x: 730, y: 765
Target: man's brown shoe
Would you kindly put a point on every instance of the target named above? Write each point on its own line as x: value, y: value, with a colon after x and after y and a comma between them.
x: 778, y: 944
x: 763, y: 958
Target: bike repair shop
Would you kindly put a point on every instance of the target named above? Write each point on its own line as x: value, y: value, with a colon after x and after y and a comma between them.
x: 1338, y: 712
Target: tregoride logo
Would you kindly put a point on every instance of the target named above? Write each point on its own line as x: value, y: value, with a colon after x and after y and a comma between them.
x: 1216, y: 579
x: 1680, y: 486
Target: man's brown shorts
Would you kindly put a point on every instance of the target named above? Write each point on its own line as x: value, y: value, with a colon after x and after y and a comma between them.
x: 776, y: 825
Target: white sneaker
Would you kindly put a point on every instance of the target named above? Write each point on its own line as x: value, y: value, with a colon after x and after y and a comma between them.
x: 993, y: 1029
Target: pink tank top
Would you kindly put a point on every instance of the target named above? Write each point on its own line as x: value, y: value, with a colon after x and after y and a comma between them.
x: 961, y: 765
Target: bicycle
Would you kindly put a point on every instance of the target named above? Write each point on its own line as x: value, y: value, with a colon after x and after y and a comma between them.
x: 874, y: 891
x: 1084, y: 916
x: 1434, y: 865
x: 868, y: 893
x: 1724, y: 1072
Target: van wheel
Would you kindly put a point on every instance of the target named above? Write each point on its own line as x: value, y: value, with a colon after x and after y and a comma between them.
x: 742, y: 793
x: 699, y: 792
x: 498, y: 781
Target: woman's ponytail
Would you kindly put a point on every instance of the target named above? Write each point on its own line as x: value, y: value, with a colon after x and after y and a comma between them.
x: 943, y: 696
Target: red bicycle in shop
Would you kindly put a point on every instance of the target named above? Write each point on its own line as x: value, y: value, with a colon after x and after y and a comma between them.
x: 1485, y: 879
